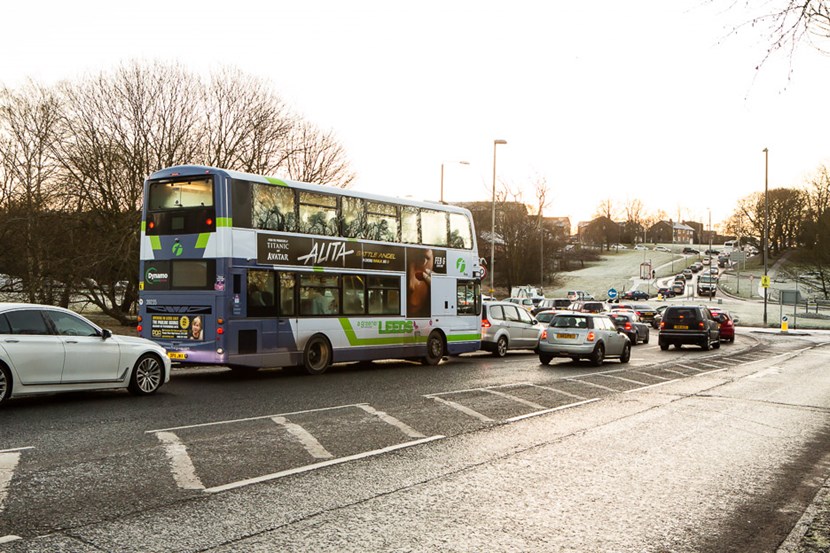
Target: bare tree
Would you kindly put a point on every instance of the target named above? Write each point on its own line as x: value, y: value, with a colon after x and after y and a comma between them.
x: 606, y: 208
x: 317, y: 156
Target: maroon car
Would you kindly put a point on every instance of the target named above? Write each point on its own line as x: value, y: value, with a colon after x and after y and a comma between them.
x: 727, y: 324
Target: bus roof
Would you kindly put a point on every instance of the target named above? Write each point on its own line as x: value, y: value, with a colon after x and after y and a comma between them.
x: 194, y: 170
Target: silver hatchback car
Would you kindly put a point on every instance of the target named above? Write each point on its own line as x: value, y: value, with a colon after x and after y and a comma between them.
x: 505, y: 325
x: 583, y: 335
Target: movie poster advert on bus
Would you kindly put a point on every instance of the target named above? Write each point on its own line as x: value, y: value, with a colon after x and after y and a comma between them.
x: 275, y: 249
x: 178, y: 327
x: 421, y: 264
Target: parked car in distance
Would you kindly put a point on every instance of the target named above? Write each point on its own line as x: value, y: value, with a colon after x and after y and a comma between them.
x: 583, y: 336
x: 635, y: 295
x: 727, y: 324
x: 544, y: 317
x: 526, y: 303
x: 588, y: 307
x: 688, y: 324
x: 551, y: 303
x: 644, y: 312
x: 627, y: 321
x: 641, y: 247
x: 505, y: 325
x: 690, y: 250
x: 575, y: 295
x: 46, y: 349
x: 661, y: 249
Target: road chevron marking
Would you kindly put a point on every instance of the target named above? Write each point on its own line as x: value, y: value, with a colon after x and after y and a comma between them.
x: 184, y: 473
x: 309, y: 442
x: 8, y: 462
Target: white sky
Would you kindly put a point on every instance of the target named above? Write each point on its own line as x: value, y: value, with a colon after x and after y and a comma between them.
x: 602, y: 99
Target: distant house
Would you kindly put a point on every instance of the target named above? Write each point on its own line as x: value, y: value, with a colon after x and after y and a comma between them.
x: 671, y: 232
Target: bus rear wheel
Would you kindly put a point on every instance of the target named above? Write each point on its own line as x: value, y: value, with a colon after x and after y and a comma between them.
x: 317, y: 355
x: 435, y: 349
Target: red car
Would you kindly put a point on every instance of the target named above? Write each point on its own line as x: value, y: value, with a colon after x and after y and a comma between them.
x: 727, y: 324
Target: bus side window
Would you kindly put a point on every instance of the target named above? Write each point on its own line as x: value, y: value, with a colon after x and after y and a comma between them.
x: 287, y: 286
x: 260, y: 293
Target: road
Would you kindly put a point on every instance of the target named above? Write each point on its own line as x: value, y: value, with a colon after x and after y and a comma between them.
x: 677, y: 451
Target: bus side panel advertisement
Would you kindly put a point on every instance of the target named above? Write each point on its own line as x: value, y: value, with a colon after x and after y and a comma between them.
x: 421, y: 264
x: 276, y: 249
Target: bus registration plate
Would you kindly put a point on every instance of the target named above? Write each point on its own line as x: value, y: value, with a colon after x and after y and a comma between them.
x: 176, y: 355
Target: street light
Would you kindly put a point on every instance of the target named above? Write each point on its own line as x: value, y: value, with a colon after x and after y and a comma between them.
x: 710, y: 249
x: 442, y: 175
x: 493, y: 230
x: 766, y: 225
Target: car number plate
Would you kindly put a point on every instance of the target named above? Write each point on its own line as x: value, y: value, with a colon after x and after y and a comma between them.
x: 566, y: 336
x: 681, y: 327
x: 176, y: 355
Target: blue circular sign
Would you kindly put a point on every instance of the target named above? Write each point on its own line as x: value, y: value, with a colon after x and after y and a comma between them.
x: 612, y: 293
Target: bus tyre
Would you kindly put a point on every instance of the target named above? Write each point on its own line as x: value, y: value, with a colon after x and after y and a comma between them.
x: 5, y: 383
x: 317, y: 355
x: 435, y: 349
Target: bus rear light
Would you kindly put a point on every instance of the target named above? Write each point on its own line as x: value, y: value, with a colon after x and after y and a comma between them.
x: 140, y: 319
x: 220, y: 320
x: 220, y: 351
x: 209, y: 222
x: 591, y: 336
x: 220, y: 330
x: 151, y: 224
x: 139, y: 328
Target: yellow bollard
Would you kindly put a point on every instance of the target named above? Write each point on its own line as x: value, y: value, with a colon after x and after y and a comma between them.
x: 784, y: 325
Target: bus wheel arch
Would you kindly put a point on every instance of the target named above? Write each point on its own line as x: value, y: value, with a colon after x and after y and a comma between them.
x: 436, y: 348
x: 317, y: 354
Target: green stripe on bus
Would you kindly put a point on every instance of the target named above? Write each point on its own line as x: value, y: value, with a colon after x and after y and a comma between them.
x: 278, y: 182
x: 143, y: 226
x: 202, y: 241
x: 386, y: 340
x: 224, y: 222
x: 155, y: 242
x: 463, y: 337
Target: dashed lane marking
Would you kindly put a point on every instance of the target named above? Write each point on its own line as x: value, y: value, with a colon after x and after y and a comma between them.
x: 9, y: 538
x: 316, y: 466
x: 8, y: 462
x: 184, y: 473
x: 389, y: 419
x: 309, y: 442
x: 537, y: 413
x: 462, y: 408
x: 513, y: 398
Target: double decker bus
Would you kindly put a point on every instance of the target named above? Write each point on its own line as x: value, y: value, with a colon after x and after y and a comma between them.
x: 249, y: 271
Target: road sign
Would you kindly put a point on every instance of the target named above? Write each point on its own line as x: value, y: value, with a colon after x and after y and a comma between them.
x: 483, y: 271
x: 612, y: 293
x: 765, y: 280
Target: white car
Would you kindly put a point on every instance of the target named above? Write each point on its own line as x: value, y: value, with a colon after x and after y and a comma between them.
x: 661, y: 249
x: 46, y: 349
x: 641, y: 247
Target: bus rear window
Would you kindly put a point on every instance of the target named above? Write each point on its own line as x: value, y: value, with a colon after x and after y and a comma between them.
x: 197, y: 274
x: 180, y: 194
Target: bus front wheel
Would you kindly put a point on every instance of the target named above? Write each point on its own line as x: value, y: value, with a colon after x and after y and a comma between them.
x: 317, y: 355
x: 435, y: 349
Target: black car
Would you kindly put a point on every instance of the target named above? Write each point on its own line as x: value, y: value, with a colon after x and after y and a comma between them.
x: 636, y: 295
x: 550, y: 303
x: 689, y: 250
x: 628, y: 322
x: 689, y: 324
x: 666, y: 292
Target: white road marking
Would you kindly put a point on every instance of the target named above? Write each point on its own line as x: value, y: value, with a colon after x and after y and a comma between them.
x: 557, y: 391
x: 251, y: 418
x: 513, y: 398
x: 315, y: 466
x: 592, y: 384
x: 16, y: 449
x: 389, y: 419
x: 537, y: 413
x: 465, y: 410
x: 309, y: 442
x: 10, y: 537
x: 8, y: 462
x: 652, y: 386
x: 652, y: 375
x: 183, y: 470
x: 675, y: 372
x: 688, y: 367
x: 625, y: 379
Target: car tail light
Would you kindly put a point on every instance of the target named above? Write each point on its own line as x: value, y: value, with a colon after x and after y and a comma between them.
x: 544, y: 334
x: 485, y: 323
x: 628, y: 326
x: 701, y: 325
x: 591, y: 336
x: 662, y: 325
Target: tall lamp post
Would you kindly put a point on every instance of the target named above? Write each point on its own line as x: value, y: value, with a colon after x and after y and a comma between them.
x: 442, y: 175
x: 711, y: 261
x: 766, y: 226
x: 493, y: 229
